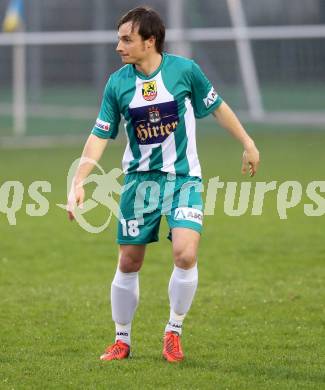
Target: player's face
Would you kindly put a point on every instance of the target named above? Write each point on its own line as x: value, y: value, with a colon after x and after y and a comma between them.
x: 131, y: 47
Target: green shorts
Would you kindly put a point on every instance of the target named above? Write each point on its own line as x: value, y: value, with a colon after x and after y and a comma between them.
x: 149, y: 195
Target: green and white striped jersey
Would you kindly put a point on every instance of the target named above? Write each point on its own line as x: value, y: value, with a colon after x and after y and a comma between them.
x: 159, y: 112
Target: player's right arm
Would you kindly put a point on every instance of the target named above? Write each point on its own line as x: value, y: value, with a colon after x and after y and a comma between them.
x: 91, y: 154
x: 106, y: 127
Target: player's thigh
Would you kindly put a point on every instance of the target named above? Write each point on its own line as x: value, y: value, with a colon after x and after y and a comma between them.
x: 185, y: 244
x: 187, y: 205
x: 131, y: 257
x: 135, y: 226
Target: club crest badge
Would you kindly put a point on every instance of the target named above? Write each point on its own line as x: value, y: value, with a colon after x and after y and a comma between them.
x: 149, y: 90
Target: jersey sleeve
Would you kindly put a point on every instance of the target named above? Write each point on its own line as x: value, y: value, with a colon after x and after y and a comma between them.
x: 204, y: 97
x: 108, y: 120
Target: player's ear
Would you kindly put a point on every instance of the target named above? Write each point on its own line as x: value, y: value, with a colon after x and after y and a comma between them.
x: 151, y: 42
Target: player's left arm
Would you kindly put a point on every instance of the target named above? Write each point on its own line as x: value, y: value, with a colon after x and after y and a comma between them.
x: 229, y: 121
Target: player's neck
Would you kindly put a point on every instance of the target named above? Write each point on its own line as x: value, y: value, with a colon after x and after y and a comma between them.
x: 150, y: 64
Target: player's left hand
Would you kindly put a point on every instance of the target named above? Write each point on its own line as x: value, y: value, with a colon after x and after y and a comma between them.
x: 251, y: 160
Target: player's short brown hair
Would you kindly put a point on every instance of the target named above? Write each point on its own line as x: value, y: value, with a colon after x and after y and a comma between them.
x: 149, y: 23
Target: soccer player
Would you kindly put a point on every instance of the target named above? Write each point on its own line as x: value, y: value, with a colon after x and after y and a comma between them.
x: 159, y: 96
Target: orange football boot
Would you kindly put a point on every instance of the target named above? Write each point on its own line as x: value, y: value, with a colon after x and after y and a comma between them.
x: 118, y: 351
x: 172, y: 350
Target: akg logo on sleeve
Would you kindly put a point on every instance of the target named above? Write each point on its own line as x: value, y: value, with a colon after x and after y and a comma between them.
x: 149, y: 90
x: 211, y: 98
x: 102, y: 125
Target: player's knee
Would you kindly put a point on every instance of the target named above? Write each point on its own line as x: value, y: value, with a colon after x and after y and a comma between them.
x: 184, y: 259
x: 129, y: 263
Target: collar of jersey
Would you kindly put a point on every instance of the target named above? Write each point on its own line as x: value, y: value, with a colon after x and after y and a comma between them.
x: 150, y: 76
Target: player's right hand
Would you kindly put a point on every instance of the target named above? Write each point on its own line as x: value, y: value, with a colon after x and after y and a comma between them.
x: 75, y: 199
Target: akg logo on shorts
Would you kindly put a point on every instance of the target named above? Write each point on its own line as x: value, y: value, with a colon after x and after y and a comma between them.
x: 149, y: 90
x: 189, y: 214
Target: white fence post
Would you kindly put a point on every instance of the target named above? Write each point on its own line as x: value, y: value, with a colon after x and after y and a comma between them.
x: 246, y: 59
x: 176, y: 11
x: 101, y: 54
x: 34, y: 64
x: 19, y: 88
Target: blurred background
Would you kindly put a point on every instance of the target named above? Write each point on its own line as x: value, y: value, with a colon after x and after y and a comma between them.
x: 266, y: 58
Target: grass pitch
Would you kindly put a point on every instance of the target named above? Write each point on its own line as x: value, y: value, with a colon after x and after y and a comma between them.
x: 257, y: 321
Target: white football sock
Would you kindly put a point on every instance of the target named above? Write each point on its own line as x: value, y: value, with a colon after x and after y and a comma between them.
x: 181, y: 290
x: 124, y: 301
